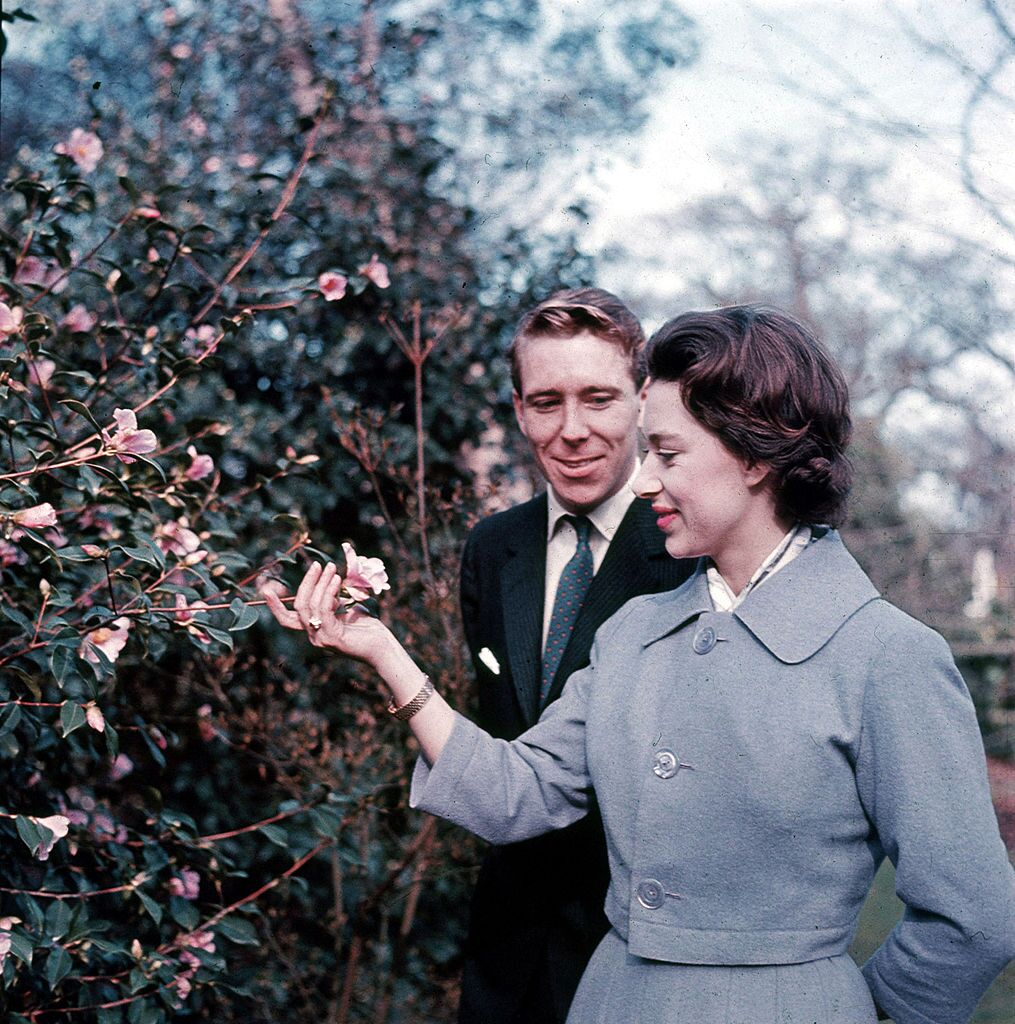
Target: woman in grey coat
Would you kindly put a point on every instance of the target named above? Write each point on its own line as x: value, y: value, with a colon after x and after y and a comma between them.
x: 758, y: 740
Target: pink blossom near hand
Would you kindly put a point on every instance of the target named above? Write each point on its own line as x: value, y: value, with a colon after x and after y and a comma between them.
x: 94, y: 716
x: 185, y: 616
x: 10, y: 320
x: 109, y: 640
x: 363, y: 576
x: 121, y: 767
x: 58, y: 824
x: 127, y: 440
x: 332, y: 285
x: 5, y: 946
x: 200, y: 465
x: 176, y: 537
x: 376, y: 271
x: 36, y: 517
x: 84, y: 148
x: 186, y: 884
x: 79, y: 320
x: 183, y: 986
x: 41, y: 371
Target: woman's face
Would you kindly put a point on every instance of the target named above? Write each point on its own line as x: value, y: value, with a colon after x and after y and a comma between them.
x: 707, y: 501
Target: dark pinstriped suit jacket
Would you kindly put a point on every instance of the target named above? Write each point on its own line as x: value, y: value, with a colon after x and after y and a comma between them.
x: 537, y: 914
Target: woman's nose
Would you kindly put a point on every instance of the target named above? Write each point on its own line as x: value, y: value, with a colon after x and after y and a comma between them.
x: 646, y: 483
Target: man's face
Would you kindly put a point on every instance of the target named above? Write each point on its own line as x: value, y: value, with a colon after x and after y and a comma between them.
x: 579, y: 410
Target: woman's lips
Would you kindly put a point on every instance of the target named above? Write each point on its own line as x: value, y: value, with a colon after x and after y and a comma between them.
x: 665, y: 516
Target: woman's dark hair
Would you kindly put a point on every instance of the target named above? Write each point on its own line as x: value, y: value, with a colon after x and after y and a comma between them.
x: 761, y: 381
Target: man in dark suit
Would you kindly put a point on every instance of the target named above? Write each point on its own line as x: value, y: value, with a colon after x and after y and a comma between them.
x: 537, y: 581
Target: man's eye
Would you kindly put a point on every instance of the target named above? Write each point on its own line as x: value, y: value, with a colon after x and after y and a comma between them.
x: 599, y: 401
x: 544, y: 405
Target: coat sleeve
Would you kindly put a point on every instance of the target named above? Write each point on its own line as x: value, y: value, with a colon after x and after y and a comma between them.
x: 508, y: 791
x: 921, y: 775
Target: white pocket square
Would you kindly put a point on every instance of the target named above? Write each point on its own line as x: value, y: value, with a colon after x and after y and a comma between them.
x: 486, y: 656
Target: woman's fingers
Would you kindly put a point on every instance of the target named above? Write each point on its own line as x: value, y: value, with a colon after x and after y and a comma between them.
x: 303, y: 592
x: 273, y: 591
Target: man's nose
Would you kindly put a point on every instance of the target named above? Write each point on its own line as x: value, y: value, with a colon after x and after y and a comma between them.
x: 575, y: 426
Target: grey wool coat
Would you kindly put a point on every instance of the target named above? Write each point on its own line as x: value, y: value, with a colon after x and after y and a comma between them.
x: 753, y: 768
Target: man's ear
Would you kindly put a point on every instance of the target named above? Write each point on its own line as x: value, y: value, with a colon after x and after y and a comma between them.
x: 516, y: 401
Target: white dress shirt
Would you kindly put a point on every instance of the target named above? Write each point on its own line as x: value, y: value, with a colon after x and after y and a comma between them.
x: 562, y: 539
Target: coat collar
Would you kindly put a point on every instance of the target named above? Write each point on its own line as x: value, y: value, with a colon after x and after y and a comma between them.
x: 794, y: 613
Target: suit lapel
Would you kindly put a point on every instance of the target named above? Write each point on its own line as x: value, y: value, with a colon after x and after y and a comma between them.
x: 635, y: 563
x: 522, y: 591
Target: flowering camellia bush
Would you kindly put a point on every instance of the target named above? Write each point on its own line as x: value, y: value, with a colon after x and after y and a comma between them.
x: 181, y: 793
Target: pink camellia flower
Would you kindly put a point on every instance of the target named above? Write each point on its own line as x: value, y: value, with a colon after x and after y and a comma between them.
x: 94, y: 716
x: 79, y: 320
x: 332, y: 285
x: 376, y: 271
x: 41, y: 371
x: 111, y: 640
x: 186, y: 884
x: 10, y: 320
x: 212, y: 165
x: 5, y: 945
x: 200, y: 465
x: 36, y: 517
x: 58, y: 824
x: 195, y: 125
x: 183, y: 986
x: 127, y: 438
x: 363, y: 576
x: 121, y: 767
x: 200, y: 338
x: 148, y: 212
x: 185, y: 616
x: 84, y: 148
x: 246, y: 161
x: 176, y: 537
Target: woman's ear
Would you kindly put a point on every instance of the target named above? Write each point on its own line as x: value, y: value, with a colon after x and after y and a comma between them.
x: 756, y: 473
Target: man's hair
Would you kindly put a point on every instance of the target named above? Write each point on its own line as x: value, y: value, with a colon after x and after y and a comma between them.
x: 577, y: 310
x: 760, y: 380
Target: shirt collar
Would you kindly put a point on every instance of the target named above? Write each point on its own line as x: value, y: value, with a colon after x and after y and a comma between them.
x: 783, y: 553
x: 605, y: 517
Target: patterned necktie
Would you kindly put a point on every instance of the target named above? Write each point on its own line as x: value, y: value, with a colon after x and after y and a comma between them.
x: 571, y: 591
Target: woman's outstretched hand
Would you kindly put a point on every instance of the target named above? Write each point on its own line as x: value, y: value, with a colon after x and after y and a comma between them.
x: 354, y: 633
x: 351, y: 631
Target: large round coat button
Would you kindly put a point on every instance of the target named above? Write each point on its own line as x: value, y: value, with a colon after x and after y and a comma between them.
x: 650, y: 893
x: 665, y: 764
x: 704, y: 640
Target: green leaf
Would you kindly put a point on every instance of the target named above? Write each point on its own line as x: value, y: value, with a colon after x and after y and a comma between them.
x: 154, y: 910
x: 82, y: 410
x: 31, y: 834
x: 58, y: 966
x: 61, y: 662
x: 238, y: 930
x: 245, y: 615
x: 22, y: 948
x: 277, y: 835
x: 58, y: 919
x: 9, y: 719
x: 149, y: 554
x: 72, y: 716
x: 17, y: 618
x: 185, y: 914
x: 218, y: 634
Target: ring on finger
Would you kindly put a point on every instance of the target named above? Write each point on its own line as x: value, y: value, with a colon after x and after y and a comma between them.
x: 314, y: 622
